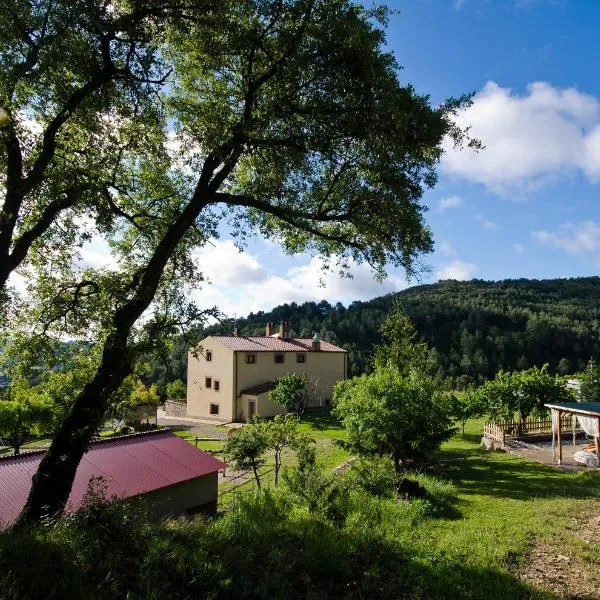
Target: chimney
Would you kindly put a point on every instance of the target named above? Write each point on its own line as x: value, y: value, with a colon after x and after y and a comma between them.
x: 282, y: 329
x: 269, y: 329
x: 316, y: 342
x: 235, y: 331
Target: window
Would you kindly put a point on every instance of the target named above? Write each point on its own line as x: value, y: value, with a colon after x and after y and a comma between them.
x: 300, y: 358
x: 279, y: 358
x: 208, y: 355
x: 217, y: 385
x: 214, y: 409
x: 250, y: 359
x: 207, y: 382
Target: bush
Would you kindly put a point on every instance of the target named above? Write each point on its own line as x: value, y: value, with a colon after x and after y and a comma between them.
x: 387, y: 414
x: 375, y: 475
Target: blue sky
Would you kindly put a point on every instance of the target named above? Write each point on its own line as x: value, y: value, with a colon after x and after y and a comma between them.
x: 526, y: 205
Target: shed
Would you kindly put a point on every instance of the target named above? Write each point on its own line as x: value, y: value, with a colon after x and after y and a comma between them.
x: 170, y: 474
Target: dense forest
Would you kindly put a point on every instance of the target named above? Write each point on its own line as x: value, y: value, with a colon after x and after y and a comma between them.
x: 473, y: 328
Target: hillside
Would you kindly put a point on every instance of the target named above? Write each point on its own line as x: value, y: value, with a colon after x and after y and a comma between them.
x: 475, y: 327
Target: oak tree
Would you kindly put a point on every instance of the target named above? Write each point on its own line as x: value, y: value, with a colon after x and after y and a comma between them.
x: 289, y: 120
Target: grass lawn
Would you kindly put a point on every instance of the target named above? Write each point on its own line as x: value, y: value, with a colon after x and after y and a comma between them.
x: 506, y: 507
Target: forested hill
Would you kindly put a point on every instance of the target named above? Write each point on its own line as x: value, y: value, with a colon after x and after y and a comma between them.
x: 475, y: 327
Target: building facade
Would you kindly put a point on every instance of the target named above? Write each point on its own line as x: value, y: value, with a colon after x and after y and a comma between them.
x: 230, y: 377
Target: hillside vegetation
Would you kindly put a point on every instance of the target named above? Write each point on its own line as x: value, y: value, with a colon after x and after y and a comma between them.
x: 491, y: 527
x: 475, y: 327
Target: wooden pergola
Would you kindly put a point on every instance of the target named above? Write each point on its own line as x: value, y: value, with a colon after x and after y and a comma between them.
x: 582, y: 409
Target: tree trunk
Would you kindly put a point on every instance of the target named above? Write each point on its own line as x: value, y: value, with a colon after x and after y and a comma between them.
x: 277, y: 466
x: 398, y: 465
x: 52, y: 483
x: 256, y: 474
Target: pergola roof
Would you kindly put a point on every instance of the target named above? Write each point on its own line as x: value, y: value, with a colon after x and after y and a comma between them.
x: 589, y: 409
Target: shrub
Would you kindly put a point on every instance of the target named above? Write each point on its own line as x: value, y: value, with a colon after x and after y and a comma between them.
x: 386, y: 414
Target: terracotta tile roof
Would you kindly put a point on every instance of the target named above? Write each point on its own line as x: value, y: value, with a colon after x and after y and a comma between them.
x: 133, y: 464
x: 273, y: 344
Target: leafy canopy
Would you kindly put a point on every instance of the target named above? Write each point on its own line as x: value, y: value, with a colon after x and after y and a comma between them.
x: 291, y: 392
x: 246, y: 448
x: 523, y: 393
x: 287, y: 119
x: 402, y: 347
x: 25, y: 414
x: 386, y: 414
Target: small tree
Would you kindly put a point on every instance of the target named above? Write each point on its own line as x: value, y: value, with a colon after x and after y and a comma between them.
x: 386, y: 414
x: 281, y: 433
x: 524, y: 393
x: 246, y: 448
x: 24, y: 416
x: 590, y: 383
x: 466, y: 406
x: 291, y: 393
x: 176, y: 390
x: 402, y: 348
x: 132, y: 393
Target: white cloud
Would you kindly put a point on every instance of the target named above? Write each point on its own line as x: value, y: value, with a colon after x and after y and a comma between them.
x: 361, y: 286
x: 582, y: 238
x: 222, y: 263
x: 241, y: 284
x: 485, y: 223
x: 449, y: 202
x: 518, y: 248
x: 457, y: 269
x: 446, y: 248
x: 529, y: 139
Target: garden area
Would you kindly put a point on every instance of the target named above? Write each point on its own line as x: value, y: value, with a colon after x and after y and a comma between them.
x: 489, y: 518
x: 490, y: 526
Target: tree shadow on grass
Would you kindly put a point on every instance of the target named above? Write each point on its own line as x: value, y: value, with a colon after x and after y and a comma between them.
x: 321, y: 420
x: 498, y: 474
x: 257, y: 550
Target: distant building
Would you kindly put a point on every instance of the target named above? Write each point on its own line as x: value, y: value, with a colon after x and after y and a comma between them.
x: 171, y: 475
x: 231, y: 377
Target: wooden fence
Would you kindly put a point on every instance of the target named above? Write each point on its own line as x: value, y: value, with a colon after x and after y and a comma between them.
x: 500, y: 430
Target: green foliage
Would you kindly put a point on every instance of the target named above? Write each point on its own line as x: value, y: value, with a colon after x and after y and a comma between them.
x: 474, y: 328
x: 386, y: 414
x: 176, y: 390
x: 319, y: 492
x: 130, y: 394
x: 522, y: 392
x: 590, y: 383
x: 465, y: 539
x: 468, y: 405
x: 402, y: 349
x: 25, y: 413
x: 291, y: 393
x: 375, y: 475
x: 281, y: 433
x: 245, y: 449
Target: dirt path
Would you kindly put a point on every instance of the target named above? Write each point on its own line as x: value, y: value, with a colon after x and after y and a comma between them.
x: 569, y: 565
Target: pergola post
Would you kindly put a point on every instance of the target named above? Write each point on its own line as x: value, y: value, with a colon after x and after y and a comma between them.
x: 558, y: 431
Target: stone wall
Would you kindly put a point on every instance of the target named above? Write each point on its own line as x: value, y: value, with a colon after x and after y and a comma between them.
x: 175, y: 409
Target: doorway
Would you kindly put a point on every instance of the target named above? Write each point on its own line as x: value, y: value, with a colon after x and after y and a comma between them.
x: 251, y: 408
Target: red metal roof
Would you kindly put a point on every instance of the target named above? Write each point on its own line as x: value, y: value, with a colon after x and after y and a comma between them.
x: 273, y: 344
x: 132, y: 465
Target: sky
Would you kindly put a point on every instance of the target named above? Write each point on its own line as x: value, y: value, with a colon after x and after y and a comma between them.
x: 525, y: 206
